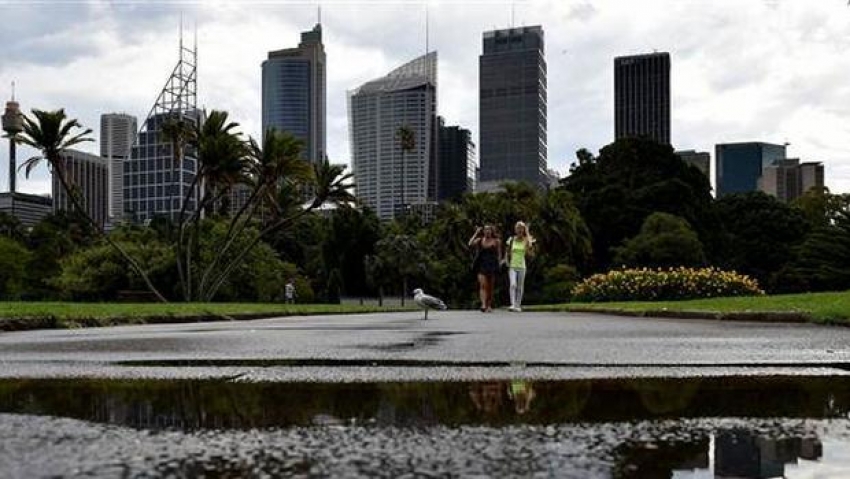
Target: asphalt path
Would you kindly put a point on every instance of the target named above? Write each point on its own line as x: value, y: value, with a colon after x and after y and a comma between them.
x: 450, y: 345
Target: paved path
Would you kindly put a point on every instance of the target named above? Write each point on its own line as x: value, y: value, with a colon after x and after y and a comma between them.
x: 298, y: 348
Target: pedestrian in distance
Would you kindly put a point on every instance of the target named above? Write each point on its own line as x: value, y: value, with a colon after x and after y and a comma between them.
x: 289, y: 291
x: 519, y: 247
x: 488, y: 252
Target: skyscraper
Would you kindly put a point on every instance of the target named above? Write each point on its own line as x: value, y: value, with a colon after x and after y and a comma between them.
x: 739, y: 165
x: 512, y: 102
x: 789, y: 179
x: 388, y: 179
x: 89, y: 175
x: 458, y: 171
x: 117, y: 133
x: 642, y: 96
x: 294, y: 85
x: 155, y: 183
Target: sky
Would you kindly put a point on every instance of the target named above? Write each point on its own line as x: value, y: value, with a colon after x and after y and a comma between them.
x: 742, y: 70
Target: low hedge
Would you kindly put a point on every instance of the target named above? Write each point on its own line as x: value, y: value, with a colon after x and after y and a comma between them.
x: 646, y: 284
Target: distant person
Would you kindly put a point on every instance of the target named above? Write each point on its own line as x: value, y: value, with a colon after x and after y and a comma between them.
x: 289, y: 291
x: 519, y: 246
x: 521, y: 393
x: 488, y: 249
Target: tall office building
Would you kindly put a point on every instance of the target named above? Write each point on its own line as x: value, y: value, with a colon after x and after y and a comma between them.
x: 388, y: 179
x: 512, y: 102
x: 642, y: 96
x: 699, y: 159
x: 155, y: 184
x: 789, y: 179
x: 28, y: 209
x: 88, y: 176
x: 457, y: 165
x: 294, y: 86
x: 117, y: 134
x: 739, y: 165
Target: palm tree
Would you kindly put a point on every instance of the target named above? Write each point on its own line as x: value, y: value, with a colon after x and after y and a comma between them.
x: 278, y: 162
x: 407, y: 142
x: 51, y: 132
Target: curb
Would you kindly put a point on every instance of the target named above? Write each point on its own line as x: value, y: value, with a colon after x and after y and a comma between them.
x: 11, y: 325
x: 751, y: 316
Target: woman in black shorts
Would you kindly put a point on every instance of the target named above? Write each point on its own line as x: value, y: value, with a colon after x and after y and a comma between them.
x: 487, y: 263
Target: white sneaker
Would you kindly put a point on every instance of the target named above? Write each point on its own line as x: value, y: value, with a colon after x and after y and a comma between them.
x: 513, y: 309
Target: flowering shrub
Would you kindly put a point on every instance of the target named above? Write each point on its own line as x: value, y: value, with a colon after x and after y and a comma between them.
x: 646, y: 284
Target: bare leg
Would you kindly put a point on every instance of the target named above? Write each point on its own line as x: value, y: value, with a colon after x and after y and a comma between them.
x: 482, y: 290
x: 490, y: 281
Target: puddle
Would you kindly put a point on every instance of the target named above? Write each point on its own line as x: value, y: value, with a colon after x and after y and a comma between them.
x: 731, y: 426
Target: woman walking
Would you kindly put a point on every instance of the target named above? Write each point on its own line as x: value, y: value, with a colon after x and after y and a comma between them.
x: 489, y: 250
x: 520, y: 246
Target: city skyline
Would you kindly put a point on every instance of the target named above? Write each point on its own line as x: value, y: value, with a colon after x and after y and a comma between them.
x: 787, y: 86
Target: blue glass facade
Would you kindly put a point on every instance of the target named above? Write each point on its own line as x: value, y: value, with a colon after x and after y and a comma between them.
x: 740, y: 165
x: 293, y: 93
x: 286, y: 97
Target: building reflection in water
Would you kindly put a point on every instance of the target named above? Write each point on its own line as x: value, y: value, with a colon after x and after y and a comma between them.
x: 742, y: 453
x: 738, y: 453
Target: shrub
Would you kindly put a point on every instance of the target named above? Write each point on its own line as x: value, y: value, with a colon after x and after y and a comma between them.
x: 664, y: 284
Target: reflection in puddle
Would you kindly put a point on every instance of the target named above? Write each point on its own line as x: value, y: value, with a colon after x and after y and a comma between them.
x: 635, y: 427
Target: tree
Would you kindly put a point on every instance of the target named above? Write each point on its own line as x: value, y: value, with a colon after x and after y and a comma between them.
x: 11, y: 227
x: 760, y: 234
x: 13, y: 260
x: 407, y: 143
x: 821, y: 207
x: 277, y: 163
x: 664, y: 240
x: 52, y: 133
x: 823, y: 259
x: 404, y: 256
x: 51, y: 239
x: 350, y: 237
x: 629, y: 180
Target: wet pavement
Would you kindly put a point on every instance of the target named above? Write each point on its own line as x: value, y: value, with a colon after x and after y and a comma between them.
x: 451, y: 345
x: 725, y: 427
x: 464, y: 394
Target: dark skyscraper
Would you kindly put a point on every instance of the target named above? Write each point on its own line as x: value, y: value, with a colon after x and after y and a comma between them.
x: 740, y: 165
x: 642, y: 96
x: 294, y: 85
x: 457, y: 170
x: 512, y: 101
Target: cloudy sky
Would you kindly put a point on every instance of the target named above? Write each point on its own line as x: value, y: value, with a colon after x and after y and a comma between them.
x: 742, y: 70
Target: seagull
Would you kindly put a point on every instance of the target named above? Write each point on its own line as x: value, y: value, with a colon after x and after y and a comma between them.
x: 427, y: 302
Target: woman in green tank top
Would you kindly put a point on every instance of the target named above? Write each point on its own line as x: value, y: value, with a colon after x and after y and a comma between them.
x: 520, y: 246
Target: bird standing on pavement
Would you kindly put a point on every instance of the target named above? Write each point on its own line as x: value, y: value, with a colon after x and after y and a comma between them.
x: 427, y: 302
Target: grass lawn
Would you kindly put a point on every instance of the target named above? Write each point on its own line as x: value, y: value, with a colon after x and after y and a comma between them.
x: 833, y: 308
x: 16, y: 315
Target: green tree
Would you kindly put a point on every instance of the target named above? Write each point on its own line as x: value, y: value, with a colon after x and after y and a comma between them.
x: 13, y: 260
x: 823, y: 259
x: 664, y: 240
x: 99, y: 273
x: 821, y: 207
x: 404, y: 256
x: 760, y: 235
x: 51, y: 132
x: 629, y: 180
x: 407, y: 143
x: 350, y: 237
x: 11, y: 227
x: 51, y: 239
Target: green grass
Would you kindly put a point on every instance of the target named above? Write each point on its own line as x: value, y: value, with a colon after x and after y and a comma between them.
x: 16, y: 315
x: 832, y: 308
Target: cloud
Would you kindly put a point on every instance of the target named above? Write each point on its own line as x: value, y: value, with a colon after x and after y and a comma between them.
x: 767, y: 71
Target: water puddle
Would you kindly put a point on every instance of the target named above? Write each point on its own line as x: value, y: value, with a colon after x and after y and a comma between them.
x: 755, y: 427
